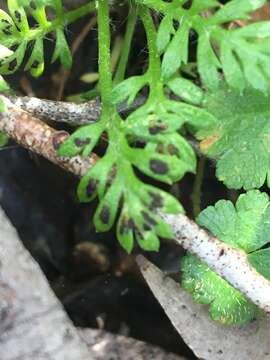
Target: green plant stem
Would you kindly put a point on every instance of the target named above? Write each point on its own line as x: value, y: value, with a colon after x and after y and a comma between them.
x: 197, y: 188
x: 104, y: 56
x: 121, y: 69
x: 154, y: 68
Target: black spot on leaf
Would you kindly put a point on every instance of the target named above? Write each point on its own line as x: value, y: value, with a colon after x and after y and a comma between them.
x: 91, y: 187
x: 159, y: 167
x: 35, y: 64
x: 173, y: 150
x: 82, y: 142
x: 105, y: 215
x: 157, y: 201
x: 160, y: 148
x: 7, y: 31
x: 18, y: 16
x: 12, y: 65
x: 131, y: 224
x: 153, y: 130
x: 33, y: 5
x: 146, y: 227
x: 126, y: 224
x: 148, y: 218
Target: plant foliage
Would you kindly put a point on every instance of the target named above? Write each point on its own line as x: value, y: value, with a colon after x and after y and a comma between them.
x: 239, y: 140
x: 226, y: 107
x: 245, y: 226
x: 17, y: 35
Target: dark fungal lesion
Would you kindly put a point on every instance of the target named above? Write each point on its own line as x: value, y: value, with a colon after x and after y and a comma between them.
x: 157, y: 201
x: 33, y: 5
x: 91, y: 187
x: 80, y: 142
x: 148, y: 219
x: 158, y: 166
x: 12, y: 65
x: 126, y: 224
x: 105, y: 215
x: 18, y: 16
x: 7, y: 30
x: 147, y: 227
x: 35, y: 64
x: 172, y: 150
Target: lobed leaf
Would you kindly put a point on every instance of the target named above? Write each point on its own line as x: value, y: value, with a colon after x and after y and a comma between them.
x: 245, y: 226
x: 239, y: 140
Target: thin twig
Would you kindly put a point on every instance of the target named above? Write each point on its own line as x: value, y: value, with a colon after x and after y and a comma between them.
x: 40, y: 138
x: 68, y: 112
x: 59, y: 111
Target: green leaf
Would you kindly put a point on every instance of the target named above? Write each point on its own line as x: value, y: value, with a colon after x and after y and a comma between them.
x: 82, y: 141
x: 94, y: 182
x: 236, y: 9
x: 18, y: 15
x: 227, y: 305
x: 107, y: 209
x: 36, y: 61
x: 186, y: 90
x: 124, y: 232
x: 231, y: 67
x: 62, y: 50
x: 11, y: 64
x: 171, y: 62
x: 258, y: 29
x: 260, y: 260
x: 128, y: 89
x: 160, y: 167
x: 208, y: 63
x: 165, y: 30
x: 239, y: 140
x: 16, y: 33
x: 149, y: 242
x: 245, y: 226
x: 201, y: 5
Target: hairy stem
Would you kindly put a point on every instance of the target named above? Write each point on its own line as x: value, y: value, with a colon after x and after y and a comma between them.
x: 104, y: 56
x: 154, y: 68
x: 121, y: 69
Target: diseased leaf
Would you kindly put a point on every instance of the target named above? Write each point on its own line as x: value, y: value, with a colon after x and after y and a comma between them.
x: 16, y: 33
x: 82, y: 141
